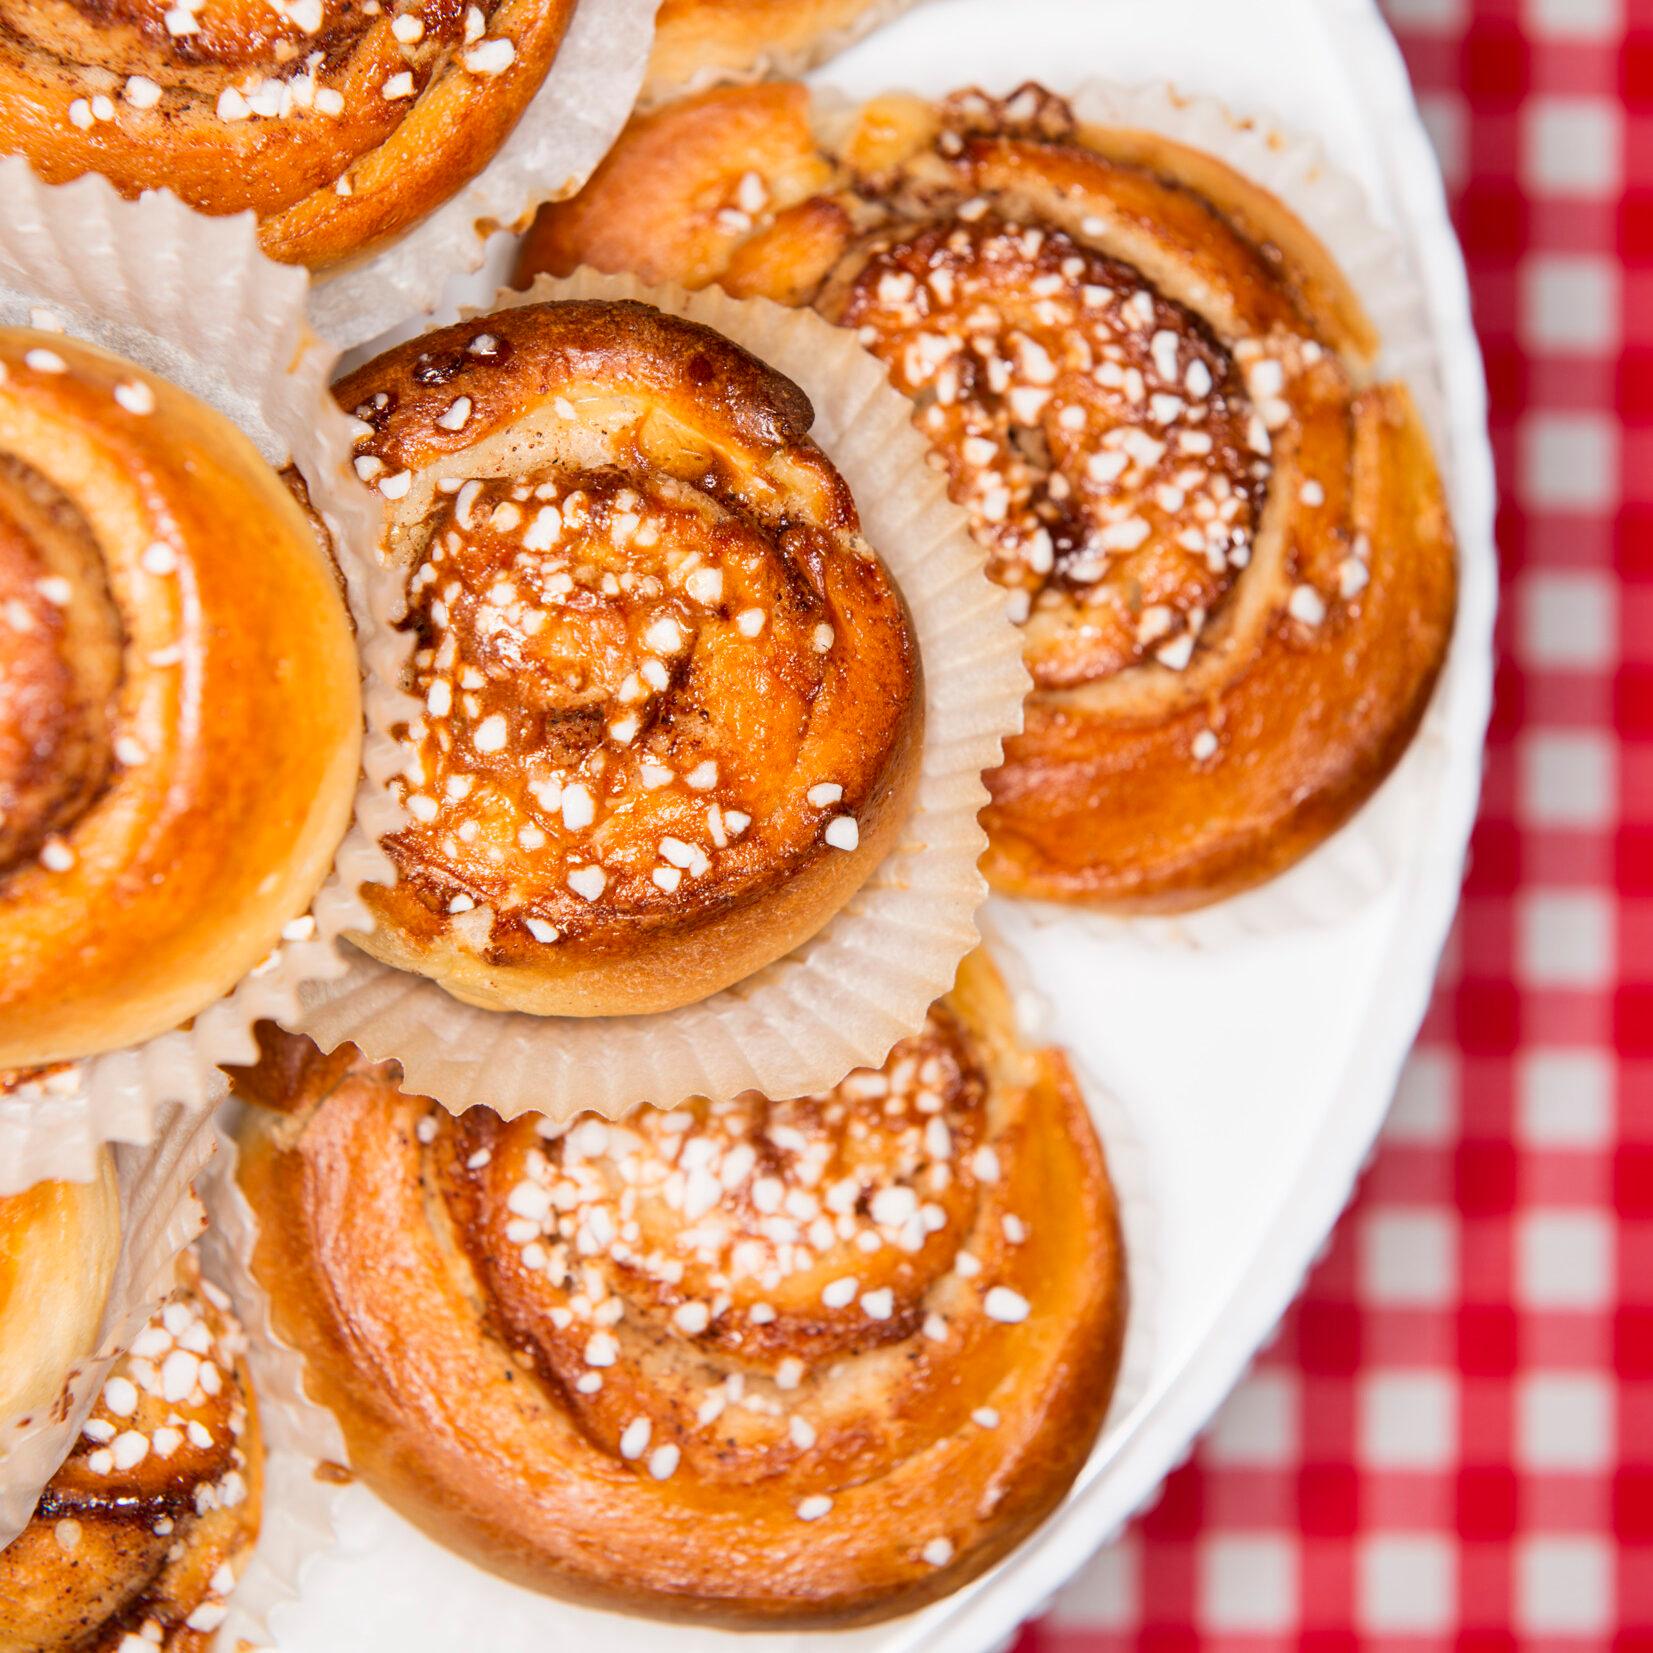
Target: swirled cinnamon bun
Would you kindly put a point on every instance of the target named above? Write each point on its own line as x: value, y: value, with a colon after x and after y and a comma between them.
x: 816, y: 1361
x: 139, y: 1536
x: 1156, y: 397
x: 180, y: 720
x: 671, y: 698
x: 340, y: 125
x: 700, y: 41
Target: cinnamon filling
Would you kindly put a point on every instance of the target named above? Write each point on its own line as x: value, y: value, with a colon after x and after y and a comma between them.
x: 60, y: 666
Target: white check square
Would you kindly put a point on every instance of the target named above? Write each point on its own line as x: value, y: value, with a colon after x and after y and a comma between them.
x: 1564, y: 1098
x: 1408, y: 1584
x: 1569, y: 461
x: 1248, y: 1584
x: 1564, y: 1422
x: 1568, y: 778
x: 1568, y: 620
x: 1572, y: 145
x: 1570, y: 303
x: 1409, y: 1258
x: 1566, y: 938
x: 1564, y: 1586
x: 1564, y: 1260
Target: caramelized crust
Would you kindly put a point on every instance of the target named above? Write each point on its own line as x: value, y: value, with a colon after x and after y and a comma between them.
x: 340, y: 125
x: 697, y: 41
x: 179, y: 705
x: 59, y: 1242
x: 140, y: 1535
x: 816, y: 1361
x: 671, y: 698
x: 1152, y: 391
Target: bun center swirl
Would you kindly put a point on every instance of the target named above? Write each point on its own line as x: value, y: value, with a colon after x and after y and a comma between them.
x: 727, y: 1260
x: 61, y: 641
x: 1099, y: 435
x: 601, y: 658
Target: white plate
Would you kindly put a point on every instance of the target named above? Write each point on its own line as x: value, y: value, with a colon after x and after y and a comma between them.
x: 1254, y: 1077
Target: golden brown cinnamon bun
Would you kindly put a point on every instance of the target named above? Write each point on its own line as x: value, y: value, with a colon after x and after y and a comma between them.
x: 671, y: 698
x: 340, y: 125
x: 699, y: 41
x: 1154, y: 393
x: 140, y: 1535
x: 180, y: 721
x: 59, y: 1242
x: 817, y: 1361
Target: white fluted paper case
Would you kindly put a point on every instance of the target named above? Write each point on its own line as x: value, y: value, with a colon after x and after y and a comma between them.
x: 192, y: 299
x: 160, y: 1215
x: 563, y: 133
x: 843, y: 998
x: 1362, y: 859
x: 299, y: 1436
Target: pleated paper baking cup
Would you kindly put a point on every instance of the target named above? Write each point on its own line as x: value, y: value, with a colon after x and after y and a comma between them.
x: 843, y: 998
x: 303, y: 1447
x: 160, y: 1215
x: 564, y: 132
x: 680, y: 66
x: 1358, y: 862
x: 193, y: 300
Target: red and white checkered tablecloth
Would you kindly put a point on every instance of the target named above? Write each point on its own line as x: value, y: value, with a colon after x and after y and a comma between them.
x: 1450, y: 1444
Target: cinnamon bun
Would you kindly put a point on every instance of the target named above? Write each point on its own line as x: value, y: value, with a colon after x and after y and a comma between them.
x: 139, y: 1536
x: 815, y: 1361
x: 180, y: 723
x: 671, y: 704
x: 1157, y: 398
x: 339, y: 125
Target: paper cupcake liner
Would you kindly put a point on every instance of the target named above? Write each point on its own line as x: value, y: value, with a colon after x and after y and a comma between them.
x: 564, y: 132
x: 1350, y: 869
x: 300, y: 1437
x: 771, y: 64
x: 160, y: 1215
x: 844, y: 997
x: 302, y: 1516
x: 194, y: 300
